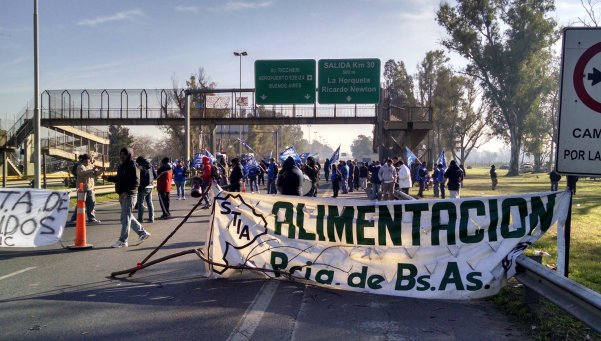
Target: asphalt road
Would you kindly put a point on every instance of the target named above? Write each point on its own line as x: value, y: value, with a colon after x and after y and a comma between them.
x: 56, y: 294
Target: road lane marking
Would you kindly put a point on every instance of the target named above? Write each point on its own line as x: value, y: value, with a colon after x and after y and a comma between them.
x: 253, y: 315
x: 17, y: 272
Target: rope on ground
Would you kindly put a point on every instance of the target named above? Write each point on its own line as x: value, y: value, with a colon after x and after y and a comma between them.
x: 142, y: 264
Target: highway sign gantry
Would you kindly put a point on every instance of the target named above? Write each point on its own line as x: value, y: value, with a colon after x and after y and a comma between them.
x: 349, y: 81
x: 579, y: 133
x: 285, y: 81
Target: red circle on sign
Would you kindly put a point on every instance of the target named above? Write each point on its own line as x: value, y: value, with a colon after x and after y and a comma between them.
x: 578, y: 78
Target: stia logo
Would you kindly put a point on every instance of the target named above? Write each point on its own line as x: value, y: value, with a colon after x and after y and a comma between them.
x: 244, y: 227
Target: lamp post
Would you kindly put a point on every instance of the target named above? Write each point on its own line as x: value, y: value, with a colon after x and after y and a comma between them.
x: 240, y: 55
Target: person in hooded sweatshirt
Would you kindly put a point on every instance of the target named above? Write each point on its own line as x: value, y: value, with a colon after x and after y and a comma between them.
x: 164, y: 178
x: 236, y: 176
x: 454, y: 174
x: 126, y: 182
x: 290, y: 178
x: 147, y: 176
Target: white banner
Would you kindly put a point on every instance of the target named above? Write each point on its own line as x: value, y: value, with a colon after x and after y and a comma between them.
x: 442, y: 249
x: 31, y: 217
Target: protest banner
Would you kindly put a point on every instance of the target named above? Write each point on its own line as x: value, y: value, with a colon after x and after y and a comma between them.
x: 441, y: 249
x: 30, y: 217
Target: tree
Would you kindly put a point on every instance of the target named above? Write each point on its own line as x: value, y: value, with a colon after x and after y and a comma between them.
x: 362, y: 145
x: 466, y: 124
x: 399, y: 84
x: 507, y: 45
x: 119, y: 137
x: 593, y: 16
x: 145, y: 146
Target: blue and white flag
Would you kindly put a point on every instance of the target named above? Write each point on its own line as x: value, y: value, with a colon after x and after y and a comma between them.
x: 210, y: 156
x: 335, y: 156
x: 197, y: 161
x: 304, y: 157
x: 245, y: 145
x: 290, y: 151
x: 442, y: 160
x: 410, y: 156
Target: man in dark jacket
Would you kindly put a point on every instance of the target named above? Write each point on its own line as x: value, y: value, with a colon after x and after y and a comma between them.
x: 312, y: 172
x: 235, y: 175
x: 454, y: 174
x: 126, y: 182
x: 290, y: 178
x: 326, y: 169
x: 147, y: 176
x: 554, y: 177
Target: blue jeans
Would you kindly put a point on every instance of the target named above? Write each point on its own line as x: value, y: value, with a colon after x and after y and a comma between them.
x: 128, y: 220
x: 254, y: 187
x: 181, y: 188
x: 375, y: 191
x: 145, y: 195
x: 271, y: 186
x: 90, y: 205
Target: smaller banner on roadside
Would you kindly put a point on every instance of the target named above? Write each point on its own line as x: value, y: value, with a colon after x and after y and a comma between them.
x: 32, y: 217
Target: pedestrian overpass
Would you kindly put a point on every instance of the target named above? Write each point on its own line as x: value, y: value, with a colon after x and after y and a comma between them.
x: 69, y: 114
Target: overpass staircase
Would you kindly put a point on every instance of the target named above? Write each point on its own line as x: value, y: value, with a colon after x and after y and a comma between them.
x: 66, y: 143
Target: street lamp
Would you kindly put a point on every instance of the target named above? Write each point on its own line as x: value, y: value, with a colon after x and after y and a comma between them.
x: 240, y: 55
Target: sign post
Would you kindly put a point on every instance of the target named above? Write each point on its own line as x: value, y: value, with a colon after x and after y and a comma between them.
x: 287, y: 81
x: 579, y: 123
x: 349, y: 81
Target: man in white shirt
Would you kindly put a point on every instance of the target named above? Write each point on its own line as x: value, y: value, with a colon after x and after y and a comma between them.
x: 404, y: 177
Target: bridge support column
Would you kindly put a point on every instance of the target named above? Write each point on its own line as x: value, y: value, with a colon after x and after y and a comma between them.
x: 213, y: 130
x: 28, y: 157
x: 4, y: 168
x: 187, y: 129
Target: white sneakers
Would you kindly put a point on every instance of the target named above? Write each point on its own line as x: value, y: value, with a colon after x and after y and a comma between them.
x: 144, y: 236
x: 119, y: 244
x: 181, y: 198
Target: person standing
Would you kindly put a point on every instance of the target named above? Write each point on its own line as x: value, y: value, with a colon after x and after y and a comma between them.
x: 207, y: 178
x: 312, y: 172
x: 454, y: 175
x: 351, y: 175
x: 374, y: 169
x: 164, y: 178
x: 147, y: 176
x: 126, y: 182
x: 326, y: 169
x: 554, y: 177
x: 253, y: 173
x: 438, y: 178
x: 404, y: 177
x: 180, y: 172
x: 363, y: 173
x: 272, y: 173
x: 86, y: 174
x: 336, y: 178
x: 421, y: 178
x: 387, y: 175
x: 493, y: 177
x: 344, y: 170
x: 236, y: 176
x: 290, y: 178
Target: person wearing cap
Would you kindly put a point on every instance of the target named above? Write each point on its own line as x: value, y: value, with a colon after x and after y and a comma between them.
x: 86, y: 175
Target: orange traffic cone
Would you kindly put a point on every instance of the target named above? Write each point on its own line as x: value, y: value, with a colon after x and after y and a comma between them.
x: 80, y: 226
x: 243, y: 186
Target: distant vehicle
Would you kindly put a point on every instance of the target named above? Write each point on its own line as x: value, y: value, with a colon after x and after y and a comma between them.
x: 526, y: 167
x: 504, y: 167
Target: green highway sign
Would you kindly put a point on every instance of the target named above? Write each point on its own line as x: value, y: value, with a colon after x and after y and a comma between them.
x: 349, y: 81
x: 286, y: 81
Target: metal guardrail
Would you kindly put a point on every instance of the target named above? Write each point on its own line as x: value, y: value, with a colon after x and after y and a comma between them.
x: 576, y: 299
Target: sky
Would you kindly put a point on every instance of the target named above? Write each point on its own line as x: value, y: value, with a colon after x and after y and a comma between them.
x: 146, y: 43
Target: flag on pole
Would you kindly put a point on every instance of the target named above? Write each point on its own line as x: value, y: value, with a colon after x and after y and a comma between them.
x: 210, y: 156
x: 442, y: 160
x: 304, y: 157
x: 245, y: 145
x: 335, y: 156
x: 410, y: 156
x: 289, y: 151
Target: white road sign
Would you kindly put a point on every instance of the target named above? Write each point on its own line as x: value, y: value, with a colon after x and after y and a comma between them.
x: 579, y: 140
